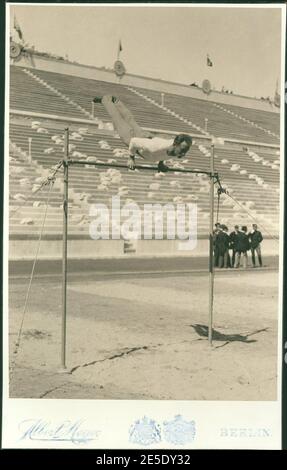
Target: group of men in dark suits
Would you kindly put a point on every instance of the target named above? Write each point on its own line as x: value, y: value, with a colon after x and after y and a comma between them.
x: 240, y: 242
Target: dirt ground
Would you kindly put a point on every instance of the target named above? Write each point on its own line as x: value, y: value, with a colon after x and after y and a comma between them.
x: 144, y: 337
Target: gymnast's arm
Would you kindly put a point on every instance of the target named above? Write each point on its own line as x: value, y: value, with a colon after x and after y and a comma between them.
x: 133, y: 151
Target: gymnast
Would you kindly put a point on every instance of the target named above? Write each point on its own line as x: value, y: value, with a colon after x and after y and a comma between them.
x: 141, y: 143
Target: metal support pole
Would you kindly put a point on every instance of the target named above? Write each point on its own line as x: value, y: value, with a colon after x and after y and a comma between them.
x: 64, y: 261
x: 30, y: 149
x: 93, y: 109
x: 211, y: 263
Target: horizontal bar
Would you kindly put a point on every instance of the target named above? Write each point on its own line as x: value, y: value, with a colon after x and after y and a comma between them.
x: 138, y: 167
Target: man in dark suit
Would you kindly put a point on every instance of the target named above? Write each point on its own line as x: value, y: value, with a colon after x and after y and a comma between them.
x: 255, y: 238
x: 233, y: 240
x: 216, y: 231
x: 222, y: 243
x: 242, y: 246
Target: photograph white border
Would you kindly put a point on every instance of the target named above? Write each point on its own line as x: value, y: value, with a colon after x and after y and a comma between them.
x: 112, y: 419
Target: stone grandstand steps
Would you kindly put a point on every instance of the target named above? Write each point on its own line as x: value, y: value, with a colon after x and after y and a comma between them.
x: 245, y: 120
x: 58, y: 93
x: 186, y: 122
x: 219, y: 122
x: 29, y: 95
x: 82, y: 91
x: 90, y: 147
x: 267, y: 120
x: 87, y: 179
x: 24, y: 218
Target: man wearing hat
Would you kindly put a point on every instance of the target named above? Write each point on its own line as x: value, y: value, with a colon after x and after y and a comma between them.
x: 255, y: 237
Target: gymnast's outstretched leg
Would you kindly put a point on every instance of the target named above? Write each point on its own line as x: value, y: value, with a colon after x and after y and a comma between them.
x: 141, y: 143
x: 123, y: 120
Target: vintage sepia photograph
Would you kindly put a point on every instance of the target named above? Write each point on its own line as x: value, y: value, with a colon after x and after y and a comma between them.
x: 144, y: 203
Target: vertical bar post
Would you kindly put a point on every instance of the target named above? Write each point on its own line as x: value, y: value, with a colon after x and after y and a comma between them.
x: 65, y: 245
x: 93, y: 109
x: 30, y: 149
x: 211, y: 263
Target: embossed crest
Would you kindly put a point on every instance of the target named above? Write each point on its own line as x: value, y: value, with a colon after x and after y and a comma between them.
x: 178, y: 431
x: 145, y: 431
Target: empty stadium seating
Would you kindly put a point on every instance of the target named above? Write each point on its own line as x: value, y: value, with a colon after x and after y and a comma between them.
x: 29, y: 95
x: 252, y: 177
x: 82, y: 91
x: 219, y: 121
x: 268, y: 120
x: 139, y: 187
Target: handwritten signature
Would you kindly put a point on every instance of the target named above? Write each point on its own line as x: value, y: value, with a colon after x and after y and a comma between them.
x: 67, y: 431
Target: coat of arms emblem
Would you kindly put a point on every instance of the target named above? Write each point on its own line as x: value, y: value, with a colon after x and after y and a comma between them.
x: 145, y: 431
x: 178, y: 431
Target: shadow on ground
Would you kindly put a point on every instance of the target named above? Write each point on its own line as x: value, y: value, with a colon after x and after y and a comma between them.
x: 202, y: 330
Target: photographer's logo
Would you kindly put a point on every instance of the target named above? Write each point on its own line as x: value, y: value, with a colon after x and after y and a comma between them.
x: 145, y: 432
x: 179, y: 431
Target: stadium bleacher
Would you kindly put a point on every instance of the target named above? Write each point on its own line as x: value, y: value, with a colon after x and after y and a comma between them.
x: 252, y: 176
x: 220, y: 123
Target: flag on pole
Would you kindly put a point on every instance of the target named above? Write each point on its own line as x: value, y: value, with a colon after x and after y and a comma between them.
x: 17, y: 28
x: 120, y: 48
x: 209, y: 62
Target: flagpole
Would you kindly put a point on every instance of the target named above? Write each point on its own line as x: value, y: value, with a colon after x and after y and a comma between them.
x: 18, y: 28
x: 118, y: 57
x: 119, y: 50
